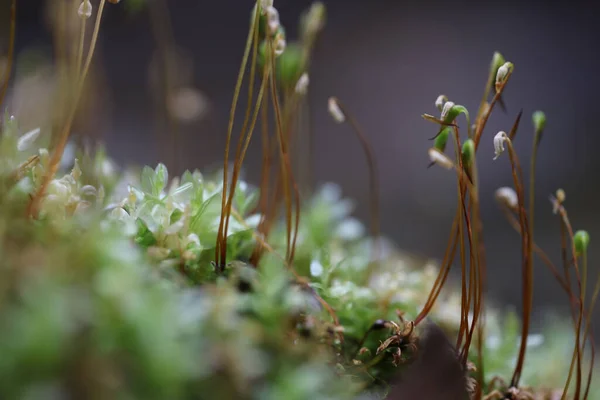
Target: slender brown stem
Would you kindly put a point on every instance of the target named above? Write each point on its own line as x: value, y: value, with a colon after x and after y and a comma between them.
x: 527, y: 270
x: 482, y: 121
x: 576, y: 359
x: 283, y: 154
x: 513, y: 221
x: 236, y: 94
x: 244, y: 140
x: 374, y: 186
x: 241, y: 154
x: 33, y: 206
x: 11, y: 50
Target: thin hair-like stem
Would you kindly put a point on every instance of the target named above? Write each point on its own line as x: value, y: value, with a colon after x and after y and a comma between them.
x: 527, y: 271
x: 374, y: 186
x: 236, y: 94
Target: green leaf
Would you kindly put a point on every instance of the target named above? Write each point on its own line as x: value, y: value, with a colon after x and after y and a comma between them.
x: 148, y: 179
x: 161, y: 178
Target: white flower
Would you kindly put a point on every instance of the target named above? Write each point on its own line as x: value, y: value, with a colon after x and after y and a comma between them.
x: 302, y: 84
x: 440, y: 101
x: 508, y: 196
x: 85, y: 9
x: 440, y: 158
x: 499, y: 140
x: 446, y: 109
x: 336, y: 111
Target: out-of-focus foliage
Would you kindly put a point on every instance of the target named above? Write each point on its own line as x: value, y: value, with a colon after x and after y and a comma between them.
x: 111, y: 293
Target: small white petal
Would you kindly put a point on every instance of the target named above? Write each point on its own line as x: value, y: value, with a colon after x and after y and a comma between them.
x: 336, y: 111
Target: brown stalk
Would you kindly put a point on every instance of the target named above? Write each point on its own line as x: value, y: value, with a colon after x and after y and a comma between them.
x: 238, y: 86
x: 286, y: 172
x: 481, y: 122
x: 11, y: 50
x: 374, y: 186
x: 527, y: 269
x: 33, y: 206
x: 577, y: 356
x: 243, y: 142
x: 240, y: 155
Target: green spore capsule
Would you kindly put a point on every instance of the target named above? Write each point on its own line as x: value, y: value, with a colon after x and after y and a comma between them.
x: 581, y: 239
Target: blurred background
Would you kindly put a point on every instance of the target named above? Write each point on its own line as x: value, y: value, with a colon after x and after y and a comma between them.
x: 387, y: 61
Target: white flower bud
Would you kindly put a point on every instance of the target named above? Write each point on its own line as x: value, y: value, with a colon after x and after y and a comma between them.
x: 280, y: 45
x: 499, y: 140
x: 503, y: 72
x: 440, y: 101
x: 85, y: 9
x: 272, y: 20
x: 448, y: 105
x: 336, y: 111
x: 508, y: 196
x: 302, y: 84
x: 440, y: 158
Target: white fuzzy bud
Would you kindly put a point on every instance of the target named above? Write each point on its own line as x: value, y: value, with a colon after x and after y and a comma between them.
x: 508, y: 196
x: 302, y: 84
x: 336, y: 111
x: 264, y: 4
x: 440, y: 101
x: 499, y: 140
x: 272, y: 19
x: 503, y: 72
x: 446, y: 109
x: 437, y: 157
x: 280, y: 45
x: 85, y: 9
